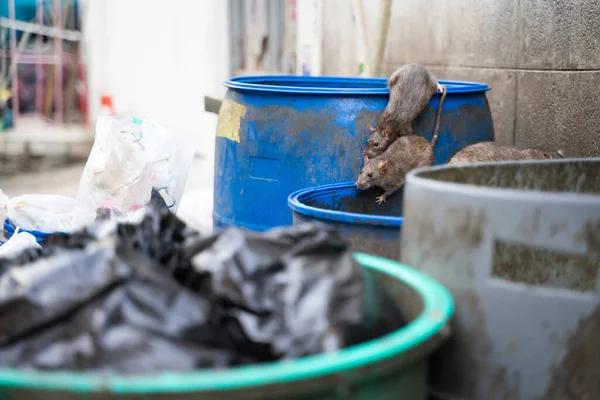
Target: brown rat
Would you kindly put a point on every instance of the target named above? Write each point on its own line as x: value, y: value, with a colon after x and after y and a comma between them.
x: 411, y: 88
x: 389, y: 169
x: 492, y: 151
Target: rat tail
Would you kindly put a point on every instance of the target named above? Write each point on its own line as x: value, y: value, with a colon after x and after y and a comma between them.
x: 438, y: 117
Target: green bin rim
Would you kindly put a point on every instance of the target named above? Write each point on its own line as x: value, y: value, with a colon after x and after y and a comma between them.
x: 437, y: 310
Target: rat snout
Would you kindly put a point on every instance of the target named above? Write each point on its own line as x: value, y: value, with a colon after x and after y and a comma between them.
x: 359, y: 183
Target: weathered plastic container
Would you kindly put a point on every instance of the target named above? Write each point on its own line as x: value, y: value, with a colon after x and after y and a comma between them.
x: 367, y: 226
x: 388, y: 368
x: 518, y: 244
x: 279, y: 134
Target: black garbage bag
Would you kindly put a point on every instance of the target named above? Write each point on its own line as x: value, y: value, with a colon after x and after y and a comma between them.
x: 297, y: 289
x: 154, y: 296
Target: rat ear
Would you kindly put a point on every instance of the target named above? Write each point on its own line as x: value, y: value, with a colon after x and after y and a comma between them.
x: 371, y: 129
x: 382, y: 166
x: 548, y: 156
x: 561, y: 153
x: 386, y: 132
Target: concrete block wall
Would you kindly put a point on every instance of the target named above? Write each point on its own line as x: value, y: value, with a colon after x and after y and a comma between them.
x: 541, y: 58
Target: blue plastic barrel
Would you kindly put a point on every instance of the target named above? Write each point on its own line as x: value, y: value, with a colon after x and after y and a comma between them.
x: 279, y: 134
x: 367, y: 226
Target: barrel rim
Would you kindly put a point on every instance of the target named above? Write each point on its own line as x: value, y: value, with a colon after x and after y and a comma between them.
x: 296, y: 203
x: 322, y: 85
x: 414, y: 178
x: 438, y: 307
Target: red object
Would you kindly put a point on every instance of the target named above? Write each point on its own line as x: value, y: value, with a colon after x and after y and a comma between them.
x: 106, y: 103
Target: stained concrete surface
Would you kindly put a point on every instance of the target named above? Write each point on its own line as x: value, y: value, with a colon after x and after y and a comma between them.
x: 38, y: 136
x: 481, y: 33
x: 539, y: 57
x: 559, y: 110
x: 559, y: 34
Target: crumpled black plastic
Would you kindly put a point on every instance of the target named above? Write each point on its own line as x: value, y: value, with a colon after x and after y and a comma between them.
x: 155, y: 296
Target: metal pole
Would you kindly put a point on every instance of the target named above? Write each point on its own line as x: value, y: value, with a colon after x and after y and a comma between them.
x: 81, y: 59
x: 14, y: 61
x: 39, y: 70
x: 58, y: 69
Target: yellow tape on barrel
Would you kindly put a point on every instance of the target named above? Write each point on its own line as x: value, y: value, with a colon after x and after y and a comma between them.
x: 230, y: 116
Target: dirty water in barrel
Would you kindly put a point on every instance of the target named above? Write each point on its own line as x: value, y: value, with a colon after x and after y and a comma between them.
x: 361, y: 202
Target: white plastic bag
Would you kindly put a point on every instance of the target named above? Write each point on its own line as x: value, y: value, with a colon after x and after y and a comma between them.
x: 130, y: 156
x: 42, y: 212
x: 17, y: 243
x: 196, y: 210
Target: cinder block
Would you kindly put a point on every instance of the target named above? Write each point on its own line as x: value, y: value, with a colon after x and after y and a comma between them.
x: 476, y: 33
x: 559, y: 34
x: 559, y: 110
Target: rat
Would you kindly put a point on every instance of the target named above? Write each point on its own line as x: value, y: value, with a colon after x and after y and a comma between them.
x: 389, y: 169
x: 492, y: 151
x: 411, y: 88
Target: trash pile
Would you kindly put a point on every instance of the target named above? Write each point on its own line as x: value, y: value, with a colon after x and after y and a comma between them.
x: 42, y: 212
x: 155, y: 295
x: 130, y: 158
x: 113, y: 281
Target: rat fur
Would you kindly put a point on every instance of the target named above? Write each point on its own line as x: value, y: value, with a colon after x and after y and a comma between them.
x: 492, y: 151
x: 389, y: 169
x: 411, y: 88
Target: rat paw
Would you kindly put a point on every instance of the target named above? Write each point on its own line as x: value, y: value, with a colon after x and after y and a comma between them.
x: 380, y: 200
x: 440, y: 88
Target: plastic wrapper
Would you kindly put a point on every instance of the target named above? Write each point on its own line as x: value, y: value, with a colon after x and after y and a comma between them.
x: 129, y: 158
x: 17, y: 243
x: 42, y: 212
x: 155, y: 296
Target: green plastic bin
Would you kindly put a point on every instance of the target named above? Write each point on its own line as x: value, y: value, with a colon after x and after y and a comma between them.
x: 391, y: 367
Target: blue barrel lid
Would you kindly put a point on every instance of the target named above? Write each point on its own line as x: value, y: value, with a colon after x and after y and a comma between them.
x: 297, y: 200
x: 332, y: 85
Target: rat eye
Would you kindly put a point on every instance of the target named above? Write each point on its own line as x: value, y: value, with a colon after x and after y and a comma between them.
x: 376, y: 144
x: 370, y: 174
